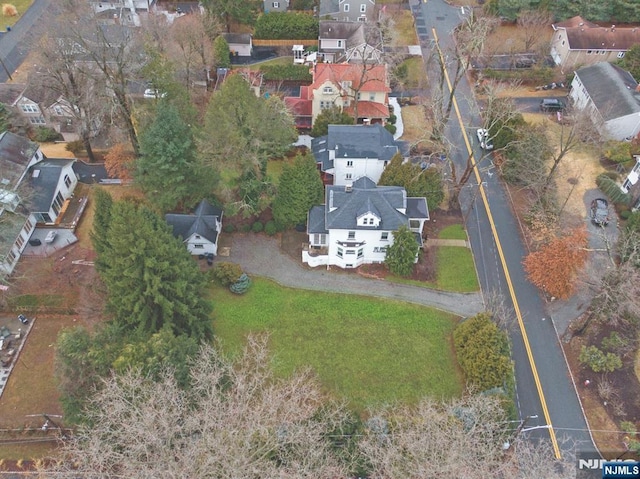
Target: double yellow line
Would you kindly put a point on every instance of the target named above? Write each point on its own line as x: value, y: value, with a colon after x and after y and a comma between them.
x: 514, y: 299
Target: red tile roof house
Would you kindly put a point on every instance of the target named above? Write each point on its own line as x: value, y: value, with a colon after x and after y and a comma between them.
x: 578, y: 42
x: 362, y: 90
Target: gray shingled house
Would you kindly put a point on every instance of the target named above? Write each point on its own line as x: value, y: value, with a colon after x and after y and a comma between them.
x: 200, y: 230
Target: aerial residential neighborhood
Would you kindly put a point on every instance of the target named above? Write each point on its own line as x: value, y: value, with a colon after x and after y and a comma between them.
x: 319, y: 238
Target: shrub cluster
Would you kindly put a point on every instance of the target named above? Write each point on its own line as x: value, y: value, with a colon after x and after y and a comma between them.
x: 286, y: 26
x: 43, y: 134
x: 226, y: 273
x: 483, y: 352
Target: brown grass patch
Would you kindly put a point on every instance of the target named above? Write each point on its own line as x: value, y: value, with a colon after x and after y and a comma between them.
x: 415, y: 124
x: 405, y: 32
x: 509, y: 38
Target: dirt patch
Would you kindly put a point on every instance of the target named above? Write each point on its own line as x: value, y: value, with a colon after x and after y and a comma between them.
x: 508, y: 38
x: 414, y: 122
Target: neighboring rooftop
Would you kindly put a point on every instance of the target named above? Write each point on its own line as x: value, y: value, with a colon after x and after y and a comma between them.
x: 584, y: 35
x: 202, y: 222
x: 612, y: 90
x: 44, y: 177
x: 15, y: 154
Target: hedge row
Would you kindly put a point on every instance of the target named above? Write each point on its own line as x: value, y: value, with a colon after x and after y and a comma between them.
x: 286, y: 26
x: 286, y: 72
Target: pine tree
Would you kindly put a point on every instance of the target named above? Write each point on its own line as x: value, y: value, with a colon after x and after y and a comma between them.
x: 299, y: 188
x: 168, y: 171
x: 330, y: 116
x: 152, y: 282
x: 101, y: 221
x: 221, y: 52
x: 401, y: 255
x: 241, y: 286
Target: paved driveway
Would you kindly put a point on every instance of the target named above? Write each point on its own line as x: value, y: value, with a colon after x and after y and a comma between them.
x: 260, y: 255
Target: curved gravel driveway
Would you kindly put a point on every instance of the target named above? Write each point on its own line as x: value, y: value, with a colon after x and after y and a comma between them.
x: 260, y: 255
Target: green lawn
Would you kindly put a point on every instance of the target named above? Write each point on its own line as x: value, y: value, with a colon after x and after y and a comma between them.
x: 367, y: 350
x: 453, y: 232
x: 456, y: 269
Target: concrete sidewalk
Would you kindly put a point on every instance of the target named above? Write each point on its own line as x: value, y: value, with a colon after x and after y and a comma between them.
x: 260, y: 255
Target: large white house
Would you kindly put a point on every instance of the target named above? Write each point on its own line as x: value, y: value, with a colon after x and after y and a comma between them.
x: 355, y: 225
x: 198, y: 231
x: 350, y: 152
x: 612, y: 98
x: 33, y: 189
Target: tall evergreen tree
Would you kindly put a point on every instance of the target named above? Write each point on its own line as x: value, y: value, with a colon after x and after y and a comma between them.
x: 168, y: 170
x: 101, y: 220
x: 418, y: 182
x: 221, y: 52
x: 401, y: 255
x: 152, y: 282
x: 229, y: 11
x: 300, y: 187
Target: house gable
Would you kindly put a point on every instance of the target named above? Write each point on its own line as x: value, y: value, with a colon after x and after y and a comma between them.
x: 199, y: 230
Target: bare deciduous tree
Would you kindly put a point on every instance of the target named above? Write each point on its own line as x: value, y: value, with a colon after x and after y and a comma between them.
x: 112, y: 52
x: 236, y: 421
x: 532, y: 23
x: 462, y: 438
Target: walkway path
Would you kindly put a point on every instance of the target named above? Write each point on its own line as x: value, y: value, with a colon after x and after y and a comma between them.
x: 260, y: 255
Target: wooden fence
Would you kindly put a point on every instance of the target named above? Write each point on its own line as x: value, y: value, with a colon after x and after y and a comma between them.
x: 283, y: 43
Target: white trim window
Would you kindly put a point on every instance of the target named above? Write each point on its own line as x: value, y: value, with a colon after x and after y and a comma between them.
x: 276, y: 4
x: 363, y: 8
x: 327, y: 90
x: 621, y: 54
x: 30, y: 108
x: 346, y: 7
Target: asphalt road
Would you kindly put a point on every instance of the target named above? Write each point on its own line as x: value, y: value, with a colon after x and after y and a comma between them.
x: 563, y: 406
x: 16, y: 44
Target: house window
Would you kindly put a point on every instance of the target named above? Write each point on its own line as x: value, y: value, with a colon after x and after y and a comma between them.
x: 37, y: 120
x: 636, y: 167
x: 362, y: 19
x: 339, y: 43
x: 589, y: 52
x: 11, y: 257
x: 360, y: 252
x: 386, y: 162
x: 621, y: 54
x: 384, y: 236
x: 19, y: 241
x: 348, y: 265
x: 325, y: 104
x: 351, y: 251
x: 349, y: 163
x: 345, y: 83
x: 348, y: 176
x: 359, y: 96
x: 346, y: 102
x: 57, y: 203
x: 346, y: 7
x: 28, y: 225
x: 67, y: 181
x: 372, y: 97
x: 414, y: 224
x: 339, y: 252
x: 327, y: 90
x: 363, y: 8
x: 29, y: 108
x: 276, y: 4
x: 198, y: 246
x: 351, y: 235
x: 319, y: 238
x: 562, y: 42
x: 57, y: 110
x: 626, y: 185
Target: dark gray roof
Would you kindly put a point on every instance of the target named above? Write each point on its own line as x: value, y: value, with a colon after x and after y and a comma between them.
x: 315, y: 222
x: 612, y: 89
x: 417, y: 208
x: 202, y: 222
x: 342, y: 206
x: 10, y: 92
x: 355, y: 141
x: 44, y: 178
x: 353, y: 32
x: 15, y: 154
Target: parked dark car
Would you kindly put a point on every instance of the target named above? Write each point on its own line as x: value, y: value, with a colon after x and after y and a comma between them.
x: 552, y: 104
x: 600, y: 212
